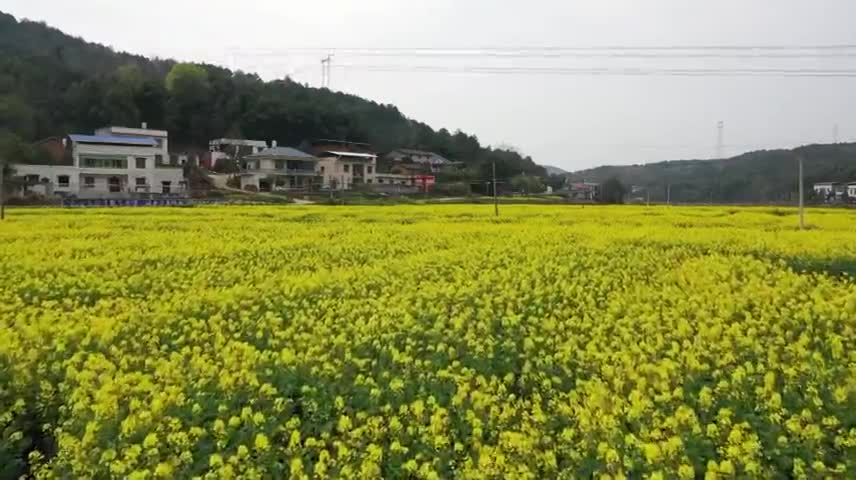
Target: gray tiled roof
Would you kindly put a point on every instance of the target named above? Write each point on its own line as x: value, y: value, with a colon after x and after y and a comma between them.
x: 282, y: 152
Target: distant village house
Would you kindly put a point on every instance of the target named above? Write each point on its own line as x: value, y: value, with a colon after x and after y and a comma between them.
x: 115, y: 162
x: 432, y: 162
x: 278, y: 169
x: 232, y: 150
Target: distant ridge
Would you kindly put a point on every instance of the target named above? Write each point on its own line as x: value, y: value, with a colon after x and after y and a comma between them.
x: 760, y: 176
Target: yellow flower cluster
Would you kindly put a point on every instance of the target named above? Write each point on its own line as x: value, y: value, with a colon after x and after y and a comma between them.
x: 428, y: 342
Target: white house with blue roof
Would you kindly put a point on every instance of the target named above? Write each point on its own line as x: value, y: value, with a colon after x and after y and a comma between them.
x: 116, y: 162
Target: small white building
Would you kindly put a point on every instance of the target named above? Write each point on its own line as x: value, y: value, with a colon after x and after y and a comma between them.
x: 279, y: 169
x: 433, y: 161
x: 395, y: 179
x: 343, y: 170
x: 851, y: 190
x: 117, y: 163
x: 826, y: 189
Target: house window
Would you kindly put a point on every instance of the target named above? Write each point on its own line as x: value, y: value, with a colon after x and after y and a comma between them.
x: 158, y: 159
x: 141, y: 162
x: 347, y: 168
x: 141, y: 181
x: 114, y: 185
x: 322, y: 169
x: 165, y: 186
x: 280, y: 165
x: 32, y: 178
x: 379, y: 180
x: 62, y: 181
x: 89, y: 182
x: 369, y: 169
x: 96, y: 162
x: 369, y: 181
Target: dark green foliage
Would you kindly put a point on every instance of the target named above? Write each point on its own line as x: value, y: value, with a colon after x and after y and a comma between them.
x: 52, y: 84
x: 527, y: 184
x: 612, y: 191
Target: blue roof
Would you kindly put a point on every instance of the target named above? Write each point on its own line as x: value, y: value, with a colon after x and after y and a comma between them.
x: 141, y: 141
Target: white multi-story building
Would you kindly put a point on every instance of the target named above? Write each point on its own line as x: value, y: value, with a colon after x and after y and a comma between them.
x: 117, y: 162
x: 343, y: 170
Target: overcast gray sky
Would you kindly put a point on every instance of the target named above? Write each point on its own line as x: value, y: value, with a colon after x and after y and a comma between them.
x: 569, y: 121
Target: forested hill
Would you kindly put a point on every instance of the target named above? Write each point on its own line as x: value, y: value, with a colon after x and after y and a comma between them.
x: 762, y: 176
x: 52, y: 83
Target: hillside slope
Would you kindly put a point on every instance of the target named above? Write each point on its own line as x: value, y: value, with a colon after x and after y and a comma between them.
x: 52, y: 83
x: 762, y: 176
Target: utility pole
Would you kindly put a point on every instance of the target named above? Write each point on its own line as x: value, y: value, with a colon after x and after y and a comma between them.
x: 326, y: 62
x: 2, y: 191
x: 495, y: 198
x: 668, y: 194
x: 802, y: 203
x: 720, y: 139
x: 323, y: 72
x: 647, y: 197
x: 835, y: 133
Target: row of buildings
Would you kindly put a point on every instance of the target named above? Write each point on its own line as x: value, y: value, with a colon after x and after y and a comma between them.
x: 326, y: 164
x: 834, y: 191
x: 122, y: 162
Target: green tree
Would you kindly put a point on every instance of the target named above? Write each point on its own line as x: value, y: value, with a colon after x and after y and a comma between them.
x: 556, y: 181
x: 17, y: 116
x: 14, y: 150
x: 527, y: 184
x: 184, y: 77
x: 612, y: 191
x: 189, y: 107
x: 53, y: 84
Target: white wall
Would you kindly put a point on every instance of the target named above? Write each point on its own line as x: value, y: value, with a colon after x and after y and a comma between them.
x: 130, y: 153
x: 250, y: 179
x: 334, y: 169
x: 51, y: 172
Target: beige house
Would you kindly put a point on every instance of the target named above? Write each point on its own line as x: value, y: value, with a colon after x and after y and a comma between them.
x: 343, y: 170
x: 278, y: 169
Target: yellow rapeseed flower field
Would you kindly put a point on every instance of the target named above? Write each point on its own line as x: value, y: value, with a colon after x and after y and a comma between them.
x: 427, y: 342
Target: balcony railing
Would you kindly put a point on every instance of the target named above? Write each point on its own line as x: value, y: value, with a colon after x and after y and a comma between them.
x: 167, y: 165
x: 282, y: 171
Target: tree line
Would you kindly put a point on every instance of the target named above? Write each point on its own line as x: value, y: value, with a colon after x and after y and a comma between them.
x: 52, y: 84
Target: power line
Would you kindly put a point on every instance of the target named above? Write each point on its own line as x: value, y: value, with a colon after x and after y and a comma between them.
x: 606, y: 71
x: 736, y: 48
x: 554, y: 55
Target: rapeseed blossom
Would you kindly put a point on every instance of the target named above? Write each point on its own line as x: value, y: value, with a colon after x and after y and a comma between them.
x: 428, y: 342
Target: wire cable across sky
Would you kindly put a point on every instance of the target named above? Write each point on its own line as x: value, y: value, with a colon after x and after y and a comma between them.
x: 681, y: 72
x: 813, y: 61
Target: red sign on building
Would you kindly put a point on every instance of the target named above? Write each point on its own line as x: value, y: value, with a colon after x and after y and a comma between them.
x: 425, y: 182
